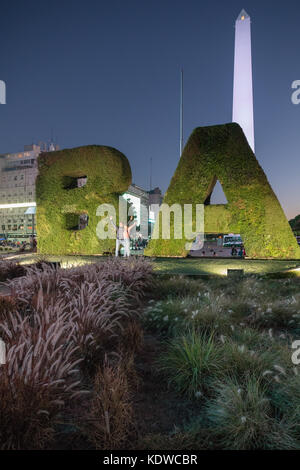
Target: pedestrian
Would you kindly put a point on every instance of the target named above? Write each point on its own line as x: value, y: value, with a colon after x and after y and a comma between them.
x: 123, y: 237
x: 127, y: 230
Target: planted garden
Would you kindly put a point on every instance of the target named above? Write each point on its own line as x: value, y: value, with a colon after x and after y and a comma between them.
x: 109, y: 356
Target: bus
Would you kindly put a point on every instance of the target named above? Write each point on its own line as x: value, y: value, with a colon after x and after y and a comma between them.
x: 232, y: 240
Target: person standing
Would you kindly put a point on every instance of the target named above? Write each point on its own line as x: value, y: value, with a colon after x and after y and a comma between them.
x: 119, y: 235
x: 123, y: 237
x: 127, y: 230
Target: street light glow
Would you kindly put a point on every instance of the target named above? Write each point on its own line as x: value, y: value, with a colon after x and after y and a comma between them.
x: 17, y: 204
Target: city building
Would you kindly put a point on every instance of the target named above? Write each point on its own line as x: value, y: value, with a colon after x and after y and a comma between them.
x: 242, y: 110
x: 145, y: 206
x: 155, y: 197
x: 139, y: 199
x: 155, y: 201
x: 18, y: 173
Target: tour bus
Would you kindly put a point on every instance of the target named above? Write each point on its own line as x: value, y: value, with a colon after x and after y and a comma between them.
x: 232, y: 240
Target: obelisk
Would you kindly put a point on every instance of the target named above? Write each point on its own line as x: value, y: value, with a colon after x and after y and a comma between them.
x: 242, y: 110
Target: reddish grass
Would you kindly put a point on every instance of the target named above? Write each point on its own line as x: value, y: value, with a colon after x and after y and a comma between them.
x: 58, y: 324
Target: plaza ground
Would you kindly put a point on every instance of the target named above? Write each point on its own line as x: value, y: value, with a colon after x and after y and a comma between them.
x: 185, y: 266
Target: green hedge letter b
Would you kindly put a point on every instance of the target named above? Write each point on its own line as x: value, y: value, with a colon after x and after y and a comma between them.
x: 70, y: 186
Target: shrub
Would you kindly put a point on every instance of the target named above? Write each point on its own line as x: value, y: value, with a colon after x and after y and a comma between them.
x: 38, y: 379
x: 177, y: 286
x: 110, y: 419
x: 242, y: 362
x: 284, y: 314
x: 10, y: 270
x: 131, y: 337
x: 204, y: 312
x: 168, y: 317
x: 135, y: 274
x: 286, y: 397
x: 242, y: 418
x: 7, y: 305
x: 251, y: 338
x: 191, y: 362
x: 58, y: 326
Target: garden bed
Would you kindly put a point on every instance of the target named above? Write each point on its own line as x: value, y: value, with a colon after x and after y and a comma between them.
x: 109, y: 356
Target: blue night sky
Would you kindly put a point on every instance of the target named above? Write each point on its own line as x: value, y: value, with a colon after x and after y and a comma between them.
x: 108, y: 73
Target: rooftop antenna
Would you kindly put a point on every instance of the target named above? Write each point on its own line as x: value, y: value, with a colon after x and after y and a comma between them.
x: 181, y: 114
x: 150, y: 173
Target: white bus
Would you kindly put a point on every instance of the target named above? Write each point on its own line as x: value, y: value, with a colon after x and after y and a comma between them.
x: 232, y: 240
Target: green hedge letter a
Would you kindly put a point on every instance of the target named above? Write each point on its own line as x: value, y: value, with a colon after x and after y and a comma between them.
x: 223, y: 153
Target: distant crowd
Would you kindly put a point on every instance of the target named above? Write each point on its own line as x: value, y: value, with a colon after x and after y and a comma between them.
x: 238, y: 251
x: 20, y: 245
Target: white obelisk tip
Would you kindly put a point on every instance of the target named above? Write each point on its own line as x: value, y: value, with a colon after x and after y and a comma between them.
x: 243, y: 15
x: 242, y: 110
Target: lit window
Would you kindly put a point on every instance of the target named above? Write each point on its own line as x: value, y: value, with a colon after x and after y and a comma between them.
x: 242, y: 18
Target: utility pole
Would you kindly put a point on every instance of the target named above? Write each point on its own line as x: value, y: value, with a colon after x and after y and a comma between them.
x: 181, y: 114
x: 150, y: 174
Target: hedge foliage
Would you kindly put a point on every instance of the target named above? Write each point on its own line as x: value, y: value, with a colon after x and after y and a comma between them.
x: 295, y: 224
x: 60, y: 201
x: 223, y: 153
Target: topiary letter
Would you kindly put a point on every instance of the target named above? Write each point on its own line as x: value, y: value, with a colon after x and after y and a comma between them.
x: 222, y: 153
x: 60, y: 202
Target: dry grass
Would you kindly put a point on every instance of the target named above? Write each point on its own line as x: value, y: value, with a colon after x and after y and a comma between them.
x: 10, y: 270
x: 111, y: 415
x: 58, y: 325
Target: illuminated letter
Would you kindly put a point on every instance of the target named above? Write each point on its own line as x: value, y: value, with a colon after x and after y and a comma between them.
x: 223, y: 153
x: 67, y: 210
